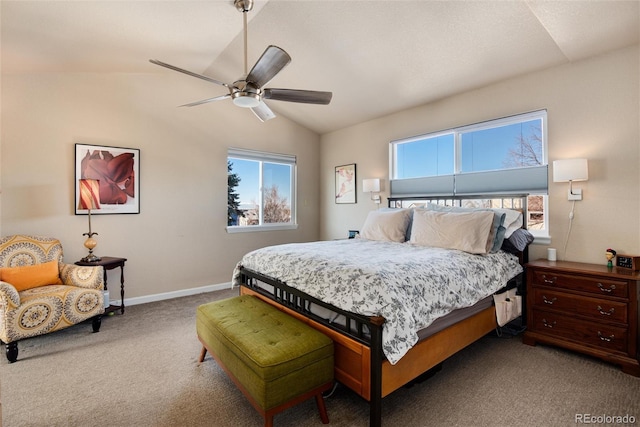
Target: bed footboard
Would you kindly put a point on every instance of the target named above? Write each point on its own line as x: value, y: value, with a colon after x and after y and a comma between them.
x: 359, y: 361
x: 357, y: 344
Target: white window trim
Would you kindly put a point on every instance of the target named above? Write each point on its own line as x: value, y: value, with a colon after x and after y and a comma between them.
x: 257, y: 228
x: 261, y: 156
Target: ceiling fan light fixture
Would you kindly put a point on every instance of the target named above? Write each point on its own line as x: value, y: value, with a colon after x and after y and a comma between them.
x: 246, y: 99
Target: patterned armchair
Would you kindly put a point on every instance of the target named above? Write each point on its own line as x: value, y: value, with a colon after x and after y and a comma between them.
x: 41, y: 294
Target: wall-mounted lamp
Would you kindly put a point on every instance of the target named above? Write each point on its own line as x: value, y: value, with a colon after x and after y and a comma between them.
x: 570, y: 170
x: 372, y: 186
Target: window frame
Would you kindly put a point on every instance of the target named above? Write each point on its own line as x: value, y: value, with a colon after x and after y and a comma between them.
x: 442, y: 185
x: 274, y: 158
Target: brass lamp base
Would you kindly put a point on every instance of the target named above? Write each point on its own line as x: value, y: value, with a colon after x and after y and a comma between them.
x: 90, y: 243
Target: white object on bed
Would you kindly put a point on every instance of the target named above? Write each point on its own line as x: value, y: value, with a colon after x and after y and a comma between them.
x: 386, y: 225
x: 409, y: 285
x: 464, y: 231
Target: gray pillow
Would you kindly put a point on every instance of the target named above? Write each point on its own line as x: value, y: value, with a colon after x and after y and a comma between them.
x: 518, y: 241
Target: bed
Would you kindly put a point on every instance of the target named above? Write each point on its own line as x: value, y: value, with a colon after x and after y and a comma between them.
x: 399, y: 300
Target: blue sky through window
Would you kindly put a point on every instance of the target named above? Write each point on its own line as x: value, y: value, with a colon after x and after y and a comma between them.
x: 481, y: 150
x: 500, y: 148
x: 249, y: 173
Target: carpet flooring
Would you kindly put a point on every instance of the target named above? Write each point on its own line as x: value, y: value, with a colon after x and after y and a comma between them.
x: 142, y: 369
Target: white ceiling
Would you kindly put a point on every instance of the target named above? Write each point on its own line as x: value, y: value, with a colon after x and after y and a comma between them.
x: 377, y: 57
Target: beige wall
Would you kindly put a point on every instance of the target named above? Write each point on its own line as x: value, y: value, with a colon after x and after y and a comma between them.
x: 593, y: 112
x: 178, y: 241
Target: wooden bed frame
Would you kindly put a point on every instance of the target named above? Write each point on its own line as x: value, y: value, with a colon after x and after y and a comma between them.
x: 359, y: 360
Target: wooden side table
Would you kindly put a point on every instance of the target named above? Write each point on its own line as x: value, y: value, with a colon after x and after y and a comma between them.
x: 109, y: 263
x: 587, y: 308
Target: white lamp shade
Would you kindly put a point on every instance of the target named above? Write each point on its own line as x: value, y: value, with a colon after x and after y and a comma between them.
x: 371, y: 185
x: 570, y: 170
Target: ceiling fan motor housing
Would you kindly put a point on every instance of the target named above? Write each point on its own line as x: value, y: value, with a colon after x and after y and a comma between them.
x: 245, y: 94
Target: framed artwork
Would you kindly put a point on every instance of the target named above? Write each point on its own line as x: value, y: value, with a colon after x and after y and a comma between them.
x: 118, y: 170
x: 346, y: 183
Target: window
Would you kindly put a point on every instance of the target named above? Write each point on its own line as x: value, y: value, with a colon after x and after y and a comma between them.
x: 428, y: 156
x: 261, y: 191
x: 503, y: 156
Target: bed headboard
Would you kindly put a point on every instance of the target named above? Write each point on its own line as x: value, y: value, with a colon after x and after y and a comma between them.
x: 507, y: 201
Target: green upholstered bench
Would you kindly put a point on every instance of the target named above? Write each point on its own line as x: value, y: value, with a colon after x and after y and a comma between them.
x: 276, y: 360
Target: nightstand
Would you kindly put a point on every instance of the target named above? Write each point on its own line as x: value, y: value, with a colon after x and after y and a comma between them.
x: 585, y: 307
x: 109, y: 263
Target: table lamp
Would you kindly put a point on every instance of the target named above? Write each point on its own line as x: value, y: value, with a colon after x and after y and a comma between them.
x: 89, y: 199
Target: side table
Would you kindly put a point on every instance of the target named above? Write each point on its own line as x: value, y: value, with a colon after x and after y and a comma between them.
x: 109, y: 263
x: 587, y: 308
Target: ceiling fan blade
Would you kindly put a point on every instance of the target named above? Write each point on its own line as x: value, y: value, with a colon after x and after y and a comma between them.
x: 296, y: 95
x: 187, y: 72
x: 270, y: 63
x: 263, y: 112
x: 204, y: 101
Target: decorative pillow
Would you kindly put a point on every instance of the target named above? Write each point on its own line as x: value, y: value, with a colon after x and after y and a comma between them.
x: 386, y: 225
x: 512, y: 222
x: 518, y: 241
x: 31, y: 276
x: 497, y: 234
x: 465, y: 231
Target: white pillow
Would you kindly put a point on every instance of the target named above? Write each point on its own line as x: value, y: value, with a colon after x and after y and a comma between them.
x: 387, y: 225
x: 512, y: 221
x: 465, y: 231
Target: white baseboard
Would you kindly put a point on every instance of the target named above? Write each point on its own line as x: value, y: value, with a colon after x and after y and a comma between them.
x: 170, y: 295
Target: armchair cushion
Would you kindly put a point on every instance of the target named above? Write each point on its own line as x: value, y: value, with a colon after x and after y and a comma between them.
x: 82, y: 277
x: 31, y: 276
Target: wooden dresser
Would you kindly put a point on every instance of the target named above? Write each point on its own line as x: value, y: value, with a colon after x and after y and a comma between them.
x: 585, y: 307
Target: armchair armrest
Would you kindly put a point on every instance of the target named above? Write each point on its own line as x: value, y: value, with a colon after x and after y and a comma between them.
x: 81, y: 276
x: 9, y: 297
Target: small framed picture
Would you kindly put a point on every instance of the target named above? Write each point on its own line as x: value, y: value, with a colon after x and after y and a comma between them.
x: 346, y: 183
x: 118, y: 171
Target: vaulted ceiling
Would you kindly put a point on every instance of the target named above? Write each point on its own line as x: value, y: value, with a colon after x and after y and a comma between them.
x: 377, y: 57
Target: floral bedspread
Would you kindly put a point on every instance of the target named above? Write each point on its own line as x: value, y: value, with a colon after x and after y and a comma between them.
x: 410, y: 286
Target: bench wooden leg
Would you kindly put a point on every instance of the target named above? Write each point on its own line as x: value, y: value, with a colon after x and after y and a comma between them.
x: 322, y: 408
x: 268, y: 420
x: 203, y: 353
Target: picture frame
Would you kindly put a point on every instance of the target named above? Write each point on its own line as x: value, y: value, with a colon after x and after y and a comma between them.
x: 119, y: 181
x: 346, y: 184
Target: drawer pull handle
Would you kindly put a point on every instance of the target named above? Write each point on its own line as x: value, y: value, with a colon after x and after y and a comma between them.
x: 609, y: 289
x: 606, y: 339
x: 606, y: 313
x: 551, y: 281
x: 548, y: 301
x: 550, y: 325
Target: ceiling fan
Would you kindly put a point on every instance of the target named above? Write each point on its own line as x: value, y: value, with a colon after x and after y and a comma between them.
x: 249, y: 91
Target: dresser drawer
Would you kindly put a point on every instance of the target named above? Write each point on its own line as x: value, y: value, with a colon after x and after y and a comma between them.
x: 598, y: 309
x: 594, y: 285
x: 593, y: 334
